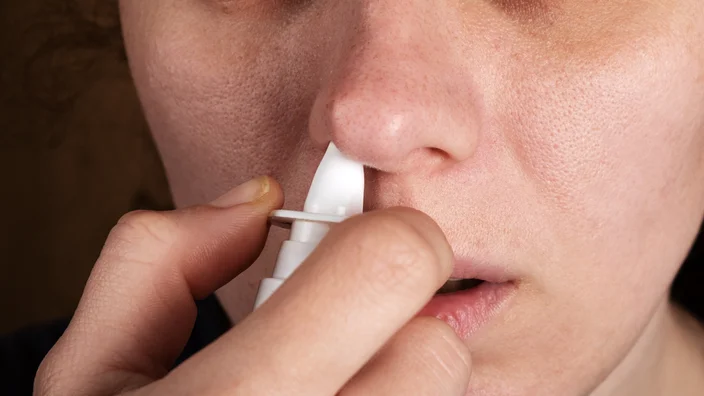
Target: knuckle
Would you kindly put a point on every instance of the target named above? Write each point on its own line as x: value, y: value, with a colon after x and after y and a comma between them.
x: 142, y: 231
x: 43, y: 381
x: 146, y: 225
x: 47, y: 379
x: 433, y: 328
x: 447, y: 357
x: 397, y: 255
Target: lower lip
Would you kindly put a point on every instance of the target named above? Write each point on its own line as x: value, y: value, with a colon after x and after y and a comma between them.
x: 468, y: 310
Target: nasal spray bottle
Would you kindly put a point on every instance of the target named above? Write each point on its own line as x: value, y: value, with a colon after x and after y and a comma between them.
x: 337, y: 192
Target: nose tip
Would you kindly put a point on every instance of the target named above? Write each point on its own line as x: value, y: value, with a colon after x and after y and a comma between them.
x: 392, y: 130
x: 366, y: 129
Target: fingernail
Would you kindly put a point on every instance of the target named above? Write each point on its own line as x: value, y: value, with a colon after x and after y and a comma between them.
x: 244, y: 193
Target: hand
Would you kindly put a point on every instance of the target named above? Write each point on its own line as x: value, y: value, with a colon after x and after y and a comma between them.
x: 343, y: 324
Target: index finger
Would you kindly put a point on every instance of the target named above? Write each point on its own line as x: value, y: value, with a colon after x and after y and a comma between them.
x: 366, y: 280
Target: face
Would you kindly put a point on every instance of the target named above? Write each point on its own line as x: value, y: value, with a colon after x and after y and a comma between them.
x: 559, y: 142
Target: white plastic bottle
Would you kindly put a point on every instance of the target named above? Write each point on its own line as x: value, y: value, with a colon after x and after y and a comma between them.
x: 336, y: 192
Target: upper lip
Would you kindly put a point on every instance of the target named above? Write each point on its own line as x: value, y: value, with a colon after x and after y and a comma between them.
x: 466, y: 266
x: 471, y: 269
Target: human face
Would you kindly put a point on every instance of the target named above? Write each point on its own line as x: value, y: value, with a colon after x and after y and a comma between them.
x: 558, y: 142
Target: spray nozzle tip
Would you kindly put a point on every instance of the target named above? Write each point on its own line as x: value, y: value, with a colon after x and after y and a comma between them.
x: 337, y: 187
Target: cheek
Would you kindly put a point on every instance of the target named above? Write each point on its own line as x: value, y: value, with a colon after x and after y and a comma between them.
x: 611, y: 154
x: 221, y: 110
x: 614, y: 151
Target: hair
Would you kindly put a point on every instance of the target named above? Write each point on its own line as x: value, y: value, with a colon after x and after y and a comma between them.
x: 64, y: 44
x: 688, y: 287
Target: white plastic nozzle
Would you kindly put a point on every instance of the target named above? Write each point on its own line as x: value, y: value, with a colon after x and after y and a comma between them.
x: 337, y: 192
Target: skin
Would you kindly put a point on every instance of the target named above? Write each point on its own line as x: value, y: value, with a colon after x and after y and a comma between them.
x: 138, y: 309
x: 568, y: 137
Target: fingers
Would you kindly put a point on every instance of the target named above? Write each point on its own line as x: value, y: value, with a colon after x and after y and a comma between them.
x: 138, y: 307
x: 366, y: 280
x: 425, y: 358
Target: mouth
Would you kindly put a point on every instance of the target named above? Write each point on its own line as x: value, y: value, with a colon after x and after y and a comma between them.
x: 456, y: 285
x: 468, y: 304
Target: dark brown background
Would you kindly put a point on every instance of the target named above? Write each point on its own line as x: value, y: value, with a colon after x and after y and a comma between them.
x: 75, y: 153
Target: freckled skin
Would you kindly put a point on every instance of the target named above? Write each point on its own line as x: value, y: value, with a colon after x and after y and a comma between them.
x: 563, y: 140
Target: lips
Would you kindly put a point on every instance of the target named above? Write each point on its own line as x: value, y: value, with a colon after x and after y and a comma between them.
x: 474, y: 296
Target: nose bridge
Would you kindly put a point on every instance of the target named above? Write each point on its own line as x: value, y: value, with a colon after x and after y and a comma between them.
x: 393, y: 92
x: 392, y: 35
x: 399, y: 23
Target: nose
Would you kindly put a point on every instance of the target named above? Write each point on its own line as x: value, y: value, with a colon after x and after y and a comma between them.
x: 399, y: 96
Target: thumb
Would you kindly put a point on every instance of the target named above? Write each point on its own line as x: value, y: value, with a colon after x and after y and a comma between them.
x: 138, y: 309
